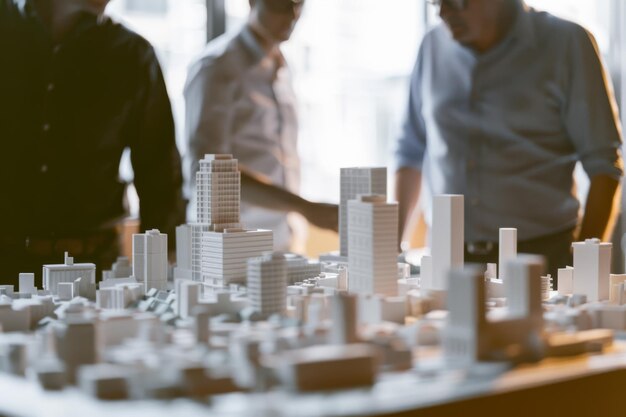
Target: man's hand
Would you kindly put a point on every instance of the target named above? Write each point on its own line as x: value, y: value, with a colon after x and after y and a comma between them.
x: 325, y: 216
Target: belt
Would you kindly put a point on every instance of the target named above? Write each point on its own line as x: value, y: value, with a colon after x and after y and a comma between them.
x: 52, y: 245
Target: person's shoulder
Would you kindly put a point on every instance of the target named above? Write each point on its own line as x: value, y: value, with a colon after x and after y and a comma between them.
x: 126, y: 41
x: 11, y: 8
x: 436, y: 40
x: 549, y: 27
x: 222, y: 58
x: 436, y: 35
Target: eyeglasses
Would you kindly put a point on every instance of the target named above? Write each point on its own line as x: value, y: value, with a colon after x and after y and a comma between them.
x: 454, y: 4
x: 283, y: 6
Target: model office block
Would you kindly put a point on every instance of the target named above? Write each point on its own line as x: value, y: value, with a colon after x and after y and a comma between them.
x: 267, y: 283
x: 373, y: 239
x: 592, y: 267
x: 183, y: 268
x: 215, y: 249
x: 507, y: 249
x: 224, y: 254
x: 69, y: 272
x: 447, y: 238
x: 355, y: 181
x: 218, y: 185
x: 150, y: 259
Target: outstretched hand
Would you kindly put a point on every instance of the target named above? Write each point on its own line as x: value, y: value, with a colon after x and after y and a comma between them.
x: 323, y: 215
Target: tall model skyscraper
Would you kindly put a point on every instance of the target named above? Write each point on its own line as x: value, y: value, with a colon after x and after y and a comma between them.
x: 150, y: 259
x: 372, y: 233
x: 220, y: 246
x: 355, y: 181
x: 218, y: 188
x: 267, y: 283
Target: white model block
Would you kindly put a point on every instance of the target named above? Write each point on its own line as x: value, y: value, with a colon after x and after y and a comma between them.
x: 105, y: 298
x: 406, y: 285
x: 373, y: 232
x: 344, y: 319
x: 566, y: 280
x: 426, y: 272
x: 150, y: 259
x: 524, y: 288
x: 121, y: 268
x: 225, y: 254
x: 7, y: 290
x: 394, y: 309
x: 492, y: 271
x: 447, y: 237
x: 507, y: 249
x: 464, y: 334
x: 188, y: 298
x: 308, y: 369
x: 612, y: 317
x: 183, y: 268
x: 495, y: 288
x: 197, y: 230
x: 27, y: 283
x: 13, y: 320
x: 356, y: 181
x: 614, y: 287
x: 69, y: 272
x: 77, y: 345
x: 592, y: 267
x: 621, y: 295
x: 267, y: 283
x: 113, y: 282
x: 65, y: 291
x: 300, y: 268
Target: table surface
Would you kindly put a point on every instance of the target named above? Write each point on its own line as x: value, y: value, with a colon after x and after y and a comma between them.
x: 393, y: 394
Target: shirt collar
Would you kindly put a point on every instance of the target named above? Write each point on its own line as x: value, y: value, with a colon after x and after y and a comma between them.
x: 254, y: 47
x: 523, y: 30
x: 249, y: 40
x: 85, y: 22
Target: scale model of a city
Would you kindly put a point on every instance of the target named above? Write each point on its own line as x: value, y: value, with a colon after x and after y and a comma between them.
x: 282, y: 320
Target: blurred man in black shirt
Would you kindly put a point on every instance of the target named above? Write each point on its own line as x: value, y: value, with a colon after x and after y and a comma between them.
x: 76, y: 90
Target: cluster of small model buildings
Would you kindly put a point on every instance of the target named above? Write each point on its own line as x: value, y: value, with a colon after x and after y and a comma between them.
x: 235, y: 316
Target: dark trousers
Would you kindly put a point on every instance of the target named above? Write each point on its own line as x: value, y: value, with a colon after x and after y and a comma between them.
x: 556, y: 248
x: 29, y: 254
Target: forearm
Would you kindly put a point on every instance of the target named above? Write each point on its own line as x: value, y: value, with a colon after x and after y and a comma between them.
x: 257, y: 190
x: 407, y: 191
x: 601, y: 208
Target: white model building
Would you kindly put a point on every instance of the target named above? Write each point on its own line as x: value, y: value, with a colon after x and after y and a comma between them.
x: 267, y: 283
x: 355, y: 181
x: 464, y: 340
x: 121, y: 268
x: 220, y: 246
x: 592, y: 267
x: 300, y: 268
x: 507, y: 249
x: 447, y: 239
x: 150, y: 259
x: 70, y: 272
x: 373, y: 240
x: 469, y: 335
x: 183, y: 268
